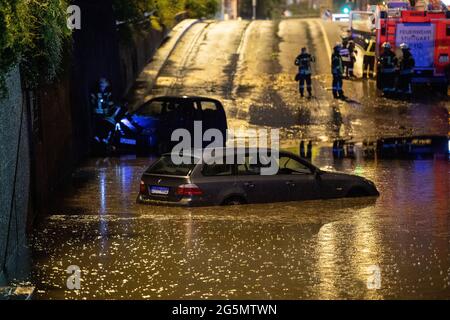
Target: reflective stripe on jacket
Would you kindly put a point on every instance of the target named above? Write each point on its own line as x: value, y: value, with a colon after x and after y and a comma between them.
x: 345, y: 54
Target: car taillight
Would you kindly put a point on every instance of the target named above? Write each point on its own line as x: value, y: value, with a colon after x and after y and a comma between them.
x: 143, y: 188
x: 189, y: 190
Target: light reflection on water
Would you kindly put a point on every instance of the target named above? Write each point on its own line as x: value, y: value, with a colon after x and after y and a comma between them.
x: 314, y: 249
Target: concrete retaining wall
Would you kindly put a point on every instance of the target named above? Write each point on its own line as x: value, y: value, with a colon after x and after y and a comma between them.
x: 14, y: 181
x: 135, y: 53
x: 52, y: 144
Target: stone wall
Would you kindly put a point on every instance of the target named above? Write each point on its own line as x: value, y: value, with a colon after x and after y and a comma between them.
x: 14, y: 181
x: 51, y: 143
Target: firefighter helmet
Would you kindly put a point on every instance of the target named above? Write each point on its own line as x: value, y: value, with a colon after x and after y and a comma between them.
x: 386, y: 45
x: 404, y: 46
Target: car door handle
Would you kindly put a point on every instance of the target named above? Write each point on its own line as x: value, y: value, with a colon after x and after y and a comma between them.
x: 290, y: 183
x: 249, y: 184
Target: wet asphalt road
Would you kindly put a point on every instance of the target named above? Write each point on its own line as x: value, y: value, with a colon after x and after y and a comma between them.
x: 250, y: 67
x: 317, y: 249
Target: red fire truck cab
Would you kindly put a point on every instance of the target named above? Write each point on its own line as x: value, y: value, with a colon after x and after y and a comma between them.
x: 427, y: 33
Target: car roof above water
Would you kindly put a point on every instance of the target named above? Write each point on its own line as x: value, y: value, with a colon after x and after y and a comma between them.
x: 191, y: 98
x: 206, y: 152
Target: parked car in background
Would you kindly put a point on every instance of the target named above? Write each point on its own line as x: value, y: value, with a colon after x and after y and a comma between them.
x: 201, y: 184
x: 151, y: 125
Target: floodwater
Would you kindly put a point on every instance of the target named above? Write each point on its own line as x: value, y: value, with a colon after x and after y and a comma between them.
x: 300, y: 250
x: 304, y: 250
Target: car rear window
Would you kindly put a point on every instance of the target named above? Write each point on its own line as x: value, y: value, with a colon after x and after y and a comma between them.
x: 209, y: 106
x: 166, y: 166
x: 156, y: 108
x: 153, y: 108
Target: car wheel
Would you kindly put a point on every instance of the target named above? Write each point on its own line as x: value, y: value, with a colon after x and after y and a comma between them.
x: 234, y: 201
x: 356, y: 192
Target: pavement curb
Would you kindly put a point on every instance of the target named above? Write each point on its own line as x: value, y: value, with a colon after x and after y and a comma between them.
x: 147, y: 78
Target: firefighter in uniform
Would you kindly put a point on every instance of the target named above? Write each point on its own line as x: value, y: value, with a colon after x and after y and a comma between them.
x: 352, y: 55
x: 345, y: 55
x: 303, y: 61
x: 406, y: 65
x: 387, y: 67
x: 101, y: 100
x: 369, y: 60
x: 337, y: 70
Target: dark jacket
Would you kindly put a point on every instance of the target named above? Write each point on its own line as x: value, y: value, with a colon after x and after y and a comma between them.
x: 303, y: 61
x: 406, y: 62
x: 387, y: 61
x: 336, y: 64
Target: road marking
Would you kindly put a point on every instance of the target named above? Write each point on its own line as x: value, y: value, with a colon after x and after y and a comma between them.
x: 240, y: 52
x: 244, y: 38
x: 325, y: 37
x: 178, y: 78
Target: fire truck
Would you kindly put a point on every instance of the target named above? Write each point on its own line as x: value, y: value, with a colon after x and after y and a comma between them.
x: 425, y: 28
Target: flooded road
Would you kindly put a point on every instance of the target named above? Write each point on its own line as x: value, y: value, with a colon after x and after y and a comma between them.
x: 304, y: 250
x: 299, y: 250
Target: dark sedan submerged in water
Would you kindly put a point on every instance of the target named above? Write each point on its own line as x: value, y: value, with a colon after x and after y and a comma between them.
x: 197, y: 183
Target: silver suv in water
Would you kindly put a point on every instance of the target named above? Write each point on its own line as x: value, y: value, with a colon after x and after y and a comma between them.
x: 212, y: 181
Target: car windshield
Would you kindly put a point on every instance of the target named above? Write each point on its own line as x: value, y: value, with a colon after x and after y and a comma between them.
x: 166, y: 166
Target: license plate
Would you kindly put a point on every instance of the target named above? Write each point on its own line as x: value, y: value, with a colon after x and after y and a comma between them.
x: 162, y: 191
x: 128, y: 141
